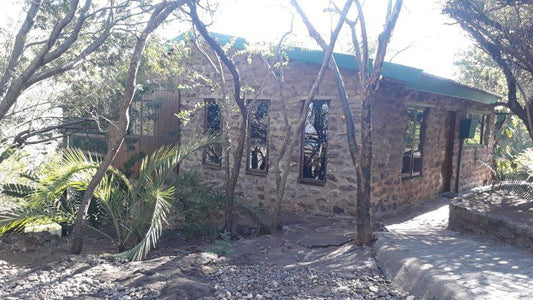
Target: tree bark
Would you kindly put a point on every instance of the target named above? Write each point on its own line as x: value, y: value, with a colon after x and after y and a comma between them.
x: 361, y: 156
x: 234, y: 169
x: 117, y: 131
x: 364, y: 177
x: 282, y: 163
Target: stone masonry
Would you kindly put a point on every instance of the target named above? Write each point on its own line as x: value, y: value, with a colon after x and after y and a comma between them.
x: 337, y: 195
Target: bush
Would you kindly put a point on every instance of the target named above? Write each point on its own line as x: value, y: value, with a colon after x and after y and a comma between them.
x: 136, y: 209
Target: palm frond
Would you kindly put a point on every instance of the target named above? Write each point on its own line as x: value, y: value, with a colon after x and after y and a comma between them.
x: 166, y: 159
x: 159, y: 215
x: 17, y: 190
x: 15, y: 219
x: 30, y: 175
x: 73, y: 171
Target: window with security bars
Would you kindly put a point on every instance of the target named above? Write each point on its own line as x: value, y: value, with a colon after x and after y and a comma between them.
x: 413, y: 154
x: 314, y: 146
x: 257, y: 159
x: 212, y: 126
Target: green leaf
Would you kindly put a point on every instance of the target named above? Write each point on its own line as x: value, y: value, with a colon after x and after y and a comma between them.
x: 17, y: 190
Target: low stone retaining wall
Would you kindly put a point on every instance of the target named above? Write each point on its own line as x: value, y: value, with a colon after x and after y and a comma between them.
x: 467, y: 220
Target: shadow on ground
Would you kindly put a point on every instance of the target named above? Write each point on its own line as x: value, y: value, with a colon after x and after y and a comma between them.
x: 422, y: 256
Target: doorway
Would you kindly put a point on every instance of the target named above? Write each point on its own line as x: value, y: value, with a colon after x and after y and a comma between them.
x: 447, y: 163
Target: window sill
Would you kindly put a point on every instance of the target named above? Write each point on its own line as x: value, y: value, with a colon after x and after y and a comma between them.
x: 212, y: 166
x: 312, y: 181
x: 474, y: 145
x: 408, y: 177
x: 256, y: 173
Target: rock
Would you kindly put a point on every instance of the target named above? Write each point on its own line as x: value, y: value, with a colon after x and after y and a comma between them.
x: 325, y: 240
x: 33, y: 277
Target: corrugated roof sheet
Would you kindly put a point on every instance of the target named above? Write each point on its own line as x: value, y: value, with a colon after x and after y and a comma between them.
x: 415, y: 79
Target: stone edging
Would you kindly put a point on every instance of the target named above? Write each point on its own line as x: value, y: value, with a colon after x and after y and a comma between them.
x: 466, y: 220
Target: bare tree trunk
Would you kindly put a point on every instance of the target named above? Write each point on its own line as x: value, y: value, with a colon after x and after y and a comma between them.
x: 361, y: 157
x: 231, y: 181
x: 229, y: 224
x: 117, y: 131
x: 364, y: 177
x: 282, y: 164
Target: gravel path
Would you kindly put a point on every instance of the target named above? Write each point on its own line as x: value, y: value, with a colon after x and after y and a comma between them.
x: 315, y: 259
x: 271, y: 282
x: 76, y: 276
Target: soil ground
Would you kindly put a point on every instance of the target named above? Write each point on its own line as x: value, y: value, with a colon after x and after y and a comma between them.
x: 312, y: 258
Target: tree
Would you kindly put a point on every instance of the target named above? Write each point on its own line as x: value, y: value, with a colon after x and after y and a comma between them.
x: 117, y: 131
x: 478, y: 69
x: 369, y: 82
x: 293, y: 130
x: 54, y: 38
x: 503, y: 29
x: 232, y: 168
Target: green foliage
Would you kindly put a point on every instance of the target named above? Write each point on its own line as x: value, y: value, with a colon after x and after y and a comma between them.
x: 17, y: 190
x: 520, y: 167
x: 137, y: 209
x: 512, y: 139
x: 15, y: 170
x: 524, y: 162
x: 128, y: 165
x: 196, y: 205
x: 93, y: 90
x: 222, y: 244
x: 477, y: 69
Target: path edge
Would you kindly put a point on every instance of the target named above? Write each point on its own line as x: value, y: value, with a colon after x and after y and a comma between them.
x: 402, y: 268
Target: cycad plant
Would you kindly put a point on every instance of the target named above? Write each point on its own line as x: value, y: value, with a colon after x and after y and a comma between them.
x: 137, y: 209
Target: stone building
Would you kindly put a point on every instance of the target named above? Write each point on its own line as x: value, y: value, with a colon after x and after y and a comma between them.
x: 416, y: 124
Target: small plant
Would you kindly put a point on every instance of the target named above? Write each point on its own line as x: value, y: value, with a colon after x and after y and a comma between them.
x: 222, y: 244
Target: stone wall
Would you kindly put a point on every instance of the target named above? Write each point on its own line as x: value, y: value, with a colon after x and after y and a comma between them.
x: 337, y: 195
x: 468, y: 220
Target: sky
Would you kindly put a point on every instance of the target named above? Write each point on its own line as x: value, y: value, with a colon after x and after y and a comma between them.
x: 423, y: 37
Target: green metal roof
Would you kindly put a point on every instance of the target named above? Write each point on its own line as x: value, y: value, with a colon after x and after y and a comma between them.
x: 415, y: 79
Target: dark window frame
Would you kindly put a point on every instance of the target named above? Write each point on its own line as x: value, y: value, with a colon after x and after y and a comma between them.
x: 205, y: 161
x: 482, y: 128
x: 421, y: 139
x: 131, y: 128
x: 249, y: 170
x: 301, y: 178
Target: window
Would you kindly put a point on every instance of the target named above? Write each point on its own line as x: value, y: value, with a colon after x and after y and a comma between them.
x: 212, y: 153
x: 412, y: 155
x: 315, y: 144
x: 479, y: 122
x: 257, y: 159
x: 142, y: 115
